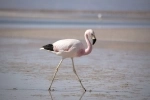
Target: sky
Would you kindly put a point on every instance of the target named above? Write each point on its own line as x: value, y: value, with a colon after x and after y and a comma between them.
x: 100, y: 5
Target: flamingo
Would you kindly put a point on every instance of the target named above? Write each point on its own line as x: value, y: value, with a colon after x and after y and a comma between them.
x: 70, y: 48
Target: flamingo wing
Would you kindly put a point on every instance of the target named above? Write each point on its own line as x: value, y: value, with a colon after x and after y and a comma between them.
x: 64, y: 45
x: 67, y: 47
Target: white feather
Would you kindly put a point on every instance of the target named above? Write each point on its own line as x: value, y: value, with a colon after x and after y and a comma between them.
x: 41, y: 48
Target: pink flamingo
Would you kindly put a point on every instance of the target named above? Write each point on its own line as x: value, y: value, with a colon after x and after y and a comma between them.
x: 69, y: 48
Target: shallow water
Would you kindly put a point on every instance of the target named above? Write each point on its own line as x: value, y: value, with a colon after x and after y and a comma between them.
x: 109, y: 72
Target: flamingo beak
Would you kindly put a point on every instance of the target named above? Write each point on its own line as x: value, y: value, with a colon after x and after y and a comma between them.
x: 94, y: 39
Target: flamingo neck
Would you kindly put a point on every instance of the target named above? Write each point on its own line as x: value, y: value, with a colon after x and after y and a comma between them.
x: 89, y: 45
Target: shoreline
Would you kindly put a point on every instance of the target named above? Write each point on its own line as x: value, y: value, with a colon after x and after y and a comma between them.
x: 140, y: 35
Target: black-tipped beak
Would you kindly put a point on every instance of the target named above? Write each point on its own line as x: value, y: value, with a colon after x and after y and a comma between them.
x: 94, y: 40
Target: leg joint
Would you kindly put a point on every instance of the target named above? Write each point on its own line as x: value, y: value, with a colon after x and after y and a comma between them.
x: 56, y: 69
x: 80, y: 81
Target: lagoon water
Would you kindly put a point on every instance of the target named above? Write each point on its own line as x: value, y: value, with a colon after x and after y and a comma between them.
x: 77, y: 21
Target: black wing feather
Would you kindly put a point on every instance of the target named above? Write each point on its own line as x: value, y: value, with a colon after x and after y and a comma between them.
x: 48, y: 47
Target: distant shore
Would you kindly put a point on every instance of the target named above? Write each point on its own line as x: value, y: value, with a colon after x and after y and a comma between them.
x: 56, y: 14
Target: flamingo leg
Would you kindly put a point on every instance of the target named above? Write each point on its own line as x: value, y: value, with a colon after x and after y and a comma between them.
x: 74, y: 70
x: 55, y: 73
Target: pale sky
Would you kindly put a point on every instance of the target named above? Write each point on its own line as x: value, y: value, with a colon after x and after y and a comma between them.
x: 109, y: 5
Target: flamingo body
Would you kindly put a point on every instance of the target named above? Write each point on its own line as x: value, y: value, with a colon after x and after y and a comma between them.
x: 70, y: 48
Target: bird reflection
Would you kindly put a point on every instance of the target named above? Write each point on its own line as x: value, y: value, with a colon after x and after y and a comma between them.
x: 79, y: 98
x: 82, y: 95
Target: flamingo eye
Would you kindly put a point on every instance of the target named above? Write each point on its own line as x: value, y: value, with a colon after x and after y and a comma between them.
x: 92, y: 34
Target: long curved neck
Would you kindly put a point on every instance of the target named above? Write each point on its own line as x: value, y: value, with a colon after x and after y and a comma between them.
x: 89, y: 45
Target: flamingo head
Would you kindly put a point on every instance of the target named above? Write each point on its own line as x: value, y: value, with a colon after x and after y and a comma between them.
x: 91, y: 34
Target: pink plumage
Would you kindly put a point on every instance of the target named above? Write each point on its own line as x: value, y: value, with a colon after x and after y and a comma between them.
x: 70, y: 48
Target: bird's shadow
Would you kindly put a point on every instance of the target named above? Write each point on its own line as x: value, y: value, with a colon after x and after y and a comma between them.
x: 50, y: 93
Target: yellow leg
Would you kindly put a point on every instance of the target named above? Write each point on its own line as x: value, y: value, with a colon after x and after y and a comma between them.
x: 74, y: 70
x: 55, y: 73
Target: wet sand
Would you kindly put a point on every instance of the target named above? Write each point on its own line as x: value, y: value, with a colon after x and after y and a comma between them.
x: 117, y: 69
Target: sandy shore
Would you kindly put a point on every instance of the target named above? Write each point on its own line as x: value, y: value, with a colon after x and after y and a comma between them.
x: 103, y: 34
x: 117, y: 69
